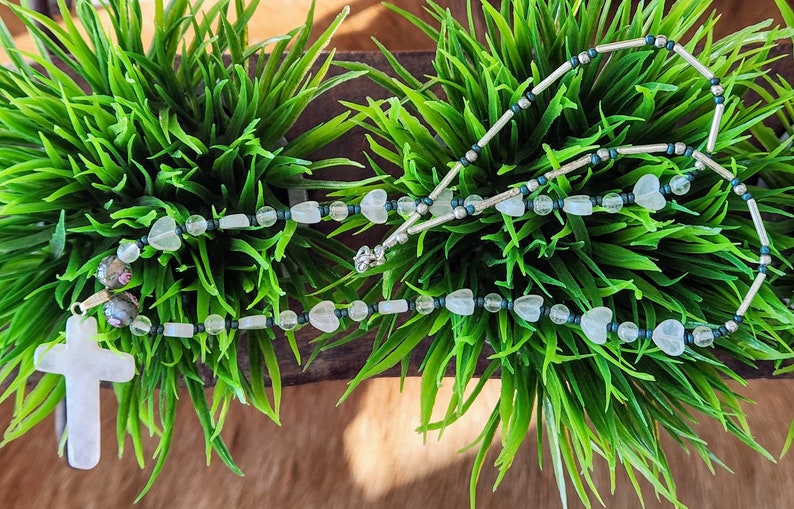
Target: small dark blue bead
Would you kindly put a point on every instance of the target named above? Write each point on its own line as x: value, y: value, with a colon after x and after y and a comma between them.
x: 747, y: 196
x: 470, y: 209
x: 479, y: 302
x: 670, y: 45
x: 691, y: 175
x: 763, y: 269
x: 351, y: 209
x: 442, y: 301
x: 670, y: 148
x: 287, y: 215
x: 765, y: 250
x: 735, y: 182
x: 387, y: 206
x: 599, y: 200
x: 279, y: 215
x: 142, y: 242
x: 689, y: 151
x: 515, y: 108
x: 592, y: 52
x: 574, y: 61
x: 571, y: 318
x: 302, y: 318
x: 723, y: 330
x: 179, y: 230
x: 543, y: 180
x: 476, y: 148
x: 528, y: 205
x: 717, y: 333
x: 719, y: 99
x: 690, y: 338
x: 738, y: 318
x: 454, y: 202
x: 373, y: 308
x: 649, y: 40
x: 357, y: 209
x: 427, y: 201
x: 665, y: 189
x: 595, y: 159
x: 524, y: 190
x: 269, y: 322
x: 503, y: 304
x: 342, y: 313
x: 510, y: 305
x: 465, y: 162
x: 531, y: 96
x: 630, y: 196
x: 625, y: 198
x: 593, y: 201
x: 545, y: 311
x: 198, y: 327
x: 338, y: 313
x: 613, y: 153
x: 714, y: 81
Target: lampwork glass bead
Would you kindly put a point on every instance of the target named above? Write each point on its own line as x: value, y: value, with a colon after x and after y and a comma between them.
x: 612, y: 202
x: 196, y: 225
x: 542, y: 205
x: 406, y: 206
x: 358, y: 310
x: 266, y: 216
x: 128, y: 252
x: 214, y: 324
x: 703, y: 336
x: 113, y: 273
x: 680, y: 185
x: 559, y: 314
x: 628, y: 332
x: 287, y: 319
x: 141, y: 325
x: 121, y: 310
x: 424, y: 304
x: 493, y: 302
x: 473, y: 199
x: 338, y: 211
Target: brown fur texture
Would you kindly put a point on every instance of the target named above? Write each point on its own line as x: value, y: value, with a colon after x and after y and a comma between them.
x: 365, y: 453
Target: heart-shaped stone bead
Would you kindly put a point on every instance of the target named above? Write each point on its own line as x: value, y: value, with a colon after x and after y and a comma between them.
x: 594, y: 324
x: 163, y: 235
x: 373, y: 206
x: 528, y: 307
x: 647, y: 194
x: 307, y: 212
x: 669, y: 337
x: 323, y: 316
x: 513, y: 207
x: 460, y: 302
x: 578, y: 205
x: 443, y: 204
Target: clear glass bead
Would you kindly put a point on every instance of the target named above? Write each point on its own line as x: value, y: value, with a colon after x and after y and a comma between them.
x: 424, y: 304
x: 141, y: 326
x: 128, y: 252
x: 266, y: 216
x: 196, y: 225
x: 559, y: 314
x: 542, y: 205
x: 473, y: 199
x: 338, y: 211
x: 612, y: 202
x: 214, y: 324
x: 628, y: 332
x: 288, y: 319
x: 703, y: 336
x: 493, y: 302
x: 406, y: 206
x: 358, y: 310
x: 680, y: 185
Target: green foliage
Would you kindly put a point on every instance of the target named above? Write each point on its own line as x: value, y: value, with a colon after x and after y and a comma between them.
x: 692, y: 261
x: 102, y: 133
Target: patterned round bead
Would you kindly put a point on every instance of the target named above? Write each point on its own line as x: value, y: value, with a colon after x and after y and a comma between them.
x: 338, y: 211
x: 680, y: 148
x: 473, y: 200
x: 702, y: 336
x: 287, y: 319
x: 406, y: 206
x: 214, y: 324
x: 196, y: 225
x: 717, y: 89
x: 358, y: 310
x: 492, y: 302
x: 121, y: 310
x: 460, y: 212
x: 559, y: 314
x: 584, y: 57
x: 660, y: 41
x: 266, y: 216
x: 113, y: 272
x: 471, y: 155
x: 612, y: 202
x: 424, y: 304
x: 680, y: 185
x: 542, y: 205
x: 628, y: 332
x: 128, y: 252
x: 141, y: 325
x: 731, y: 325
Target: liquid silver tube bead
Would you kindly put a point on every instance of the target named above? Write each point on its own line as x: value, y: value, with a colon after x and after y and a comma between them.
x: 694, y: 62
x: 745, y: 305
x: 551, y: 78
x: 620, y: 45
x: 715, y: 127
x: 714, y: 165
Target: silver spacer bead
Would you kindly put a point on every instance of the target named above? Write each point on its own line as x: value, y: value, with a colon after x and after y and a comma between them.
x: 660, y: 42
x: 717, y: 90
x: 603, y: 154
x: 533, y: 185
x: 732, y: 326
x: 422, y: 208
x: 740, y: 189
x: 584, y: 58
x: 471, y: 156
x: 460, y: 213
x: 699, y: 165
x: 401, y: 238
x: 765, y: 260
x: 524, y: 103
x: 680, y: 148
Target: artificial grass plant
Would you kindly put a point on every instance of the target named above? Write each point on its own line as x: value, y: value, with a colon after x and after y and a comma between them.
x: 694, y: 260
x: 102, y: 133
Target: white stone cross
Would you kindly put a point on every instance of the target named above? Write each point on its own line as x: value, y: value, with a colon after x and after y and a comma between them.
x: 84, y: 364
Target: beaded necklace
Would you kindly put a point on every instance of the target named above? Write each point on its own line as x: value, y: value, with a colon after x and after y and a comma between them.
x: 121, y: 308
